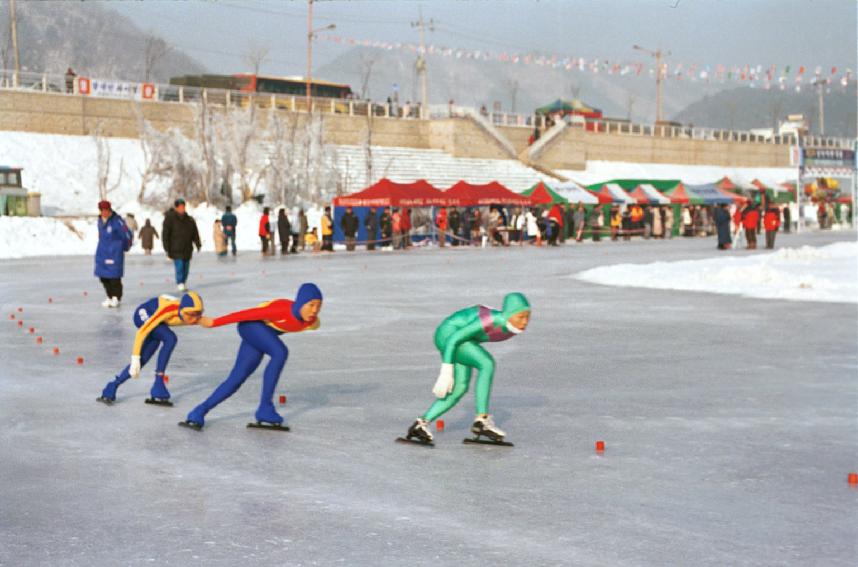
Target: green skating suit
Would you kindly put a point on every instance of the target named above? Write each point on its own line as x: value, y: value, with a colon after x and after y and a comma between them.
x: 458, y: 339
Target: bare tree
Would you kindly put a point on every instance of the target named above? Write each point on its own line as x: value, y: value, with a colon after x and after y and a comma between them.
x: 367, y: 62
x: 102, y: 149
x: 154, y: 50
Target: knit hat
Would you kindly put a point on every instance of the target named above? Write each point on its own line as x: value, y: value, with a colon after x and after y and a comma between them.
x: 104, y: 205
x: 306, y: 293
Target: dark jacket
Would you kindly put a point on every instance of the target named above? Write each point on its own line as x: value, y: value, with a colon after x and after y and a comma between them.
x: 454, y: 220
x: 148, y: 234
x: 283, y: 226
x: 229, y: 221
x: 114, y: 240
x: 179, y: 235
x: 386, y: 224
x: 349, y: 224
x: 722, y: 223
x: 370, y: 223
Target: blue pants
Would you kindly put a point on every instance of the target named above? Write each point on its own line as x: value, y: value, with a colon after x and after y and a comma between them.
x: 230, y: 239
x: 182, y: 269
x: 160, y: 336
x: 257, y: 339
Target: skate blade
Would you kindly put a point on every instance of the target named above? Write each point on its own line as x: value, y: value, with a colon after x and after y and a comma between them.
x: 157, y: 402
x: 105, y: 401
x: 271, y: 426
x: 479, y: 441
x: 191, y: 425
x: 414, y: 442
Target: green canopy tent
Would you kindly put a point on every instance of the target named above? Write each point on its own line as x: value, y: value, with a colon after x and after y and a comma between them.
x: 544, y: 195
x: 661, y: 185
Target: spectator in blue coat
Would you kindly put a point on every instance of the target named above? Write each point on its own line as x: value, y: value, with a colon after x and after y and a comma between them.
x: 229, y: 221
x: 114, y: 240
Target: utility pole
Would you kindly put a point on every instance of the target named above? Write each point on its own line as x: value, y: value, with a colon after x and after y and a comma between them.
x: 421, y: 62
x: 659, y: 78
x: 311, y: 33
x: 820, y: 83
x: 13, y: 24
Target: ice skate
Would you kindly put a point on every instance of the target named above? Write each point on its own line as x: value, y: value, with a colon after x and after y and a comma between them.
x: 159, y: 395
x: 418, y: 433
x: 196, y: 419
x: 107, y: 303
x: 108, y: 395
x: 268, y: 418
x: 181, y: 287
x: 486, y: 432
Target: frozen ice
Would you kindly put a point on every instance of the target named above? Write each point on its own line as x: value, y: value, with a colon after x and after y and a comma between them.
x: 729, y: 422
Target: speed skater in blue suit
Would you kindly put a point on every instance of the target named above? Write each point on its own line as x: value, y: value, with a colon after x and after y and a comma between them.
x: 260, y: 328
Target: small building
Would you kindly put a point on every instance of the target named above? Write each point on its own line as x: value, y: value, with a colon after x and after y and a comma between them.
x: 13, y: 196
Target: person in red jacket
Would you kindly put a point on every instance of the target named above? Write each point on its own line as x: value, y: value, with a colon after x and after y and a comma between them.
x: 750, y: 218
x: 441, y: 223
x: 555, y: 217
x: 771, y: 222
x: 264, y: 230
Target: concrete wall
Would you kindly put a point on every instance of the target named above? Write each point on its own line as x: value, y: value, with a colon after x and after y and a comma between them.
x: 63, y: 114
x: 575, y: 147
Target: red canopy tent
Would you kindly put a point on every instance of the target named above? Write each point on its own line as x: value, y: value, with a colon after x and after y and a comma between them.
x: 464, y: 194
x: 606, y: 195
x: 725, y: 184
x: 540, y: 195
x: 387, y: 193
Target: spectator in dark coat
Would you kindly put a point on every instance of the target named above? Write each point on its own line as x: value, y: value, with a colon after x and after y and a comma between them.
x: 114, y: 240
x: 179, y: 235
x: 302, y: 228
x: 284, y: 229
x: 229, y: 222
x: 349, y: 224
x: 787, y: 218
x: 722, y: 225
x: 370, y: 223
x: 386, y: 222
x: 454, y: 219
x: 148, y: 234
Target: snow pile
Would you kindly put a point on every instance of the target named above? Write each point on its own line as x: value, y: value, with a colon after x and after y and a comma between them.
x: 829, y: 273
x: 22, y: 237
x: 597, y: 171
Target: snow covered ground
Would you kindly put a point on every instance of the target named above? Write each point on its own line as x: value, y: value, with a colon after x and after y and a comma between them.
x: 729, y: 422
x: 829, y: 273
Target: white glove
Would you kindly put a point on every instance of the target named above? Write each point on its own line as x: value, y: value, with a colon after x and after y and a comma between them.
x: 134, y: 369
x: 444, y: 384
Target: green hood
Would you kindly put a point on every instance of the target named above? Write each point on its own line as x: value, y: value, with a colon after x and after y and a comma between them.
x: 514, y: 303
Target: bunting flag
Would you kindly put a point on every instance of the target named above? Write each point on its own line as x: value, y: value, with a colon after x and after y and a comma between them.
x: 750, y: 75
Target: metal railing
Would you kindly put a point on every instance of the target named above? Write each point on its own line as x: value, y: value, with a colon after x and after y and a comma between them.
x: 59, y: 84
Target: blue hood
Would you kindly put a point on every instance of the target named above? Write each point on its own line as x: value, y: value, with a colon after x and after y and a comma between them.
x: 306, y: 293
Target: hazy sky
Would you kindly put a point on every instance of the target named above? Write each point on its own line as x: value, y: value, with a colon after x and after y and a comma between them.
x: 220, y: 33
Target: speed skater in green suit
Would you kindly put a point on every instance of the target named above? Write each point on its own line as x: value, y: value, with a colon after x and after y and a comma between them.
x: 458, y: 339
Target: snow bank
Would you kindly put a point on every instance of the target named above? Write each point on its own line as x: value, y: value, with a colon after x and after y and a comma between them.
x: 22, y: 237
x: 604, y: 170
x: 829, y: 273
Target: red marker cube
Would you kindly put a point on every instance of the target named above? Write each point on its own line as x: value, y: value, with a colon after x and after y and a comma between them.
x: 20, y: 323
x: 80, y: 360
x: 11, y: 316
x: 282, y: 399
x: 50, y: 300
x: 852, y: 478
x: 56, y: 351
x: 439, y: 425
x: 38, y: 340
x: 166, y: 379
x: 20, y: 310
x: 32, y: 330
x: 600, y: 446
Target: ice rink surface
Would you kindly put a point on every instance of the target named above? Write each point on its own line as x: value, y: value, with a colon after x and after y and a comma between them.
x: 730, y: 423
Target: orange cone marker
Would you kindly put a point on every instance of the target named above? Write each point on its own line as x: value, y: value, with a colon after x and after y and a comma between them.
x: 80, y: 360
x: 38, y: 340
x: 600, y: 446
x: 439, y: 425
x: 166, y: 379
x: 56, y: 351
x: 853, y: 478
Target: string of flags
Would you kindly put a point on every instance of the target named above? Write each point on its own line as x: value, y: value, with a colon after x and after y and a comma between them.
x: 754, y: 76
